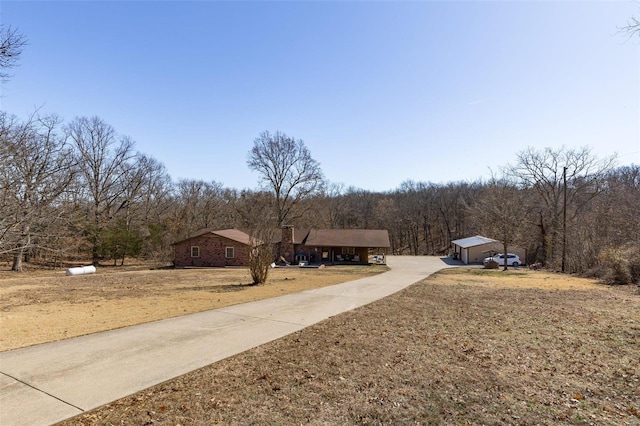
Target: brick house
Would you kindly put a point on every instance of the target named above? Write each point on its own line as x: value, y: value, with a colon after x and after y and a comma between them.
x: 333, y: 246
x: 227, y: 247
x: 231, y: 247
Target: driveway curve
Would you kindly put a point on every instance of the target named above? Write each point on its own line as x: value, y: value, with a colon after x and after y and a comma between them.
x: 45, y: 384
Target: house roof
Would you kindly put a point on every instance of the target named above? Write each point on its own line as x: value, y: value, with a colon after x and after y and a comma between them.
x: 378, y: 238
x: 298, y: 236
x: 235, y: 235
x: 231, y: 234
x: 478, y: 240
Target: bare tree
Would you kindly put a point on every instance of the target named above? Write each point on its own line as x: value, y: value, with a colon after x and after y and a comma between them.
x: 198, y: 205
x: 11, y: 44
x: 287, y: 169
x: 330, y: 203
x: 420, y: 223
x: 36, y: 167
x: 155, y: 211
x: 126, y: 233
x: 544, y: 172
x: 501, y: 213
x: 452, y: 200
x: 104, y: 161
x: 609, y: 238
x: 414, y: 215
x: 255, y: 211
x: 358, y: 209
x: 392, y: 216
x: 8, y: 181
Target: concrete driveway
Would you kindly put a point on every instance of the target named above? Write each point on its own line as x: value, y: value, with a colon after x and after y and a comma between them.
x: 45, y: 384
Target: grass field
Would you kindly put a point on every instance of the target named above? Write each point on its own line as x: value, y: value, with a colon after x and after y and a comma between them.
x: 40, y: 306
x: 465, y: 346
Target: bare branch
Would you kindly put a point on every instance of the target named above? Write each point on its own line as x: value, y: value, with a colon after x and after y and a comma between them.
x: 286, y: 168
x: 11, y: 44
x: 632, y: 28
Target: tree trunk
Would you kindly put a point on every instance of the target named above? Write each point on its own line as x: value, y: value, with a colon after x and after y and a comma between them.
x: 543, y: 241
x: 94, y: 254
x: 505, y: 257
x: 17, y: 259
x: 20, y: 249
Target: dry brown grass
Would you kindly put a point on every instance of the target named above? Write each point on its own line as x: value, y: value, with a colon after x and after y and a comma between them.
x: 463, y: 347
x: 42, y: 306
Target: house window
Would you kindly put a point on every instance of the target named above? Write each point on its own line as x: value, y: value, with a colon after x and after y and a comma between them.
x: 348, y: 250
x: 195, y: 251
x: 229, y: 253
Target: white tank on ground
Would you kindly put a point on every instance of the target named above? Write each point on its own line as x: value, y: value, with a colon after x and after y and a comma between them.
x: 81, y: 270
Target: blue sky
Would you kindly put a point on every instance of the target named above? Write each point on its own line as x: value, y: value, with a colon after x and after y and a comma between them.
x: 380, y: 91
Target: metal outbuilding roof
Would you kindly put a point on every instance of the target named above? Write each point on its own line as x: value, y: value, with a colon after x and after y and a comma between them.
x: 478, y: 240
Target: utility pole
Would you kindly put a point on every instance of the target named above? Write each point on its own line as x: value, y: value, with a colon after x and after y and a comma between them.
x: 564, y: 220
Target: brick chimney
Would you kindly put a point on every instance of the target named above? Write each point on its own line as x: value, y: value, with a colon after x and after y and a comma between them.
x: 286, y: 244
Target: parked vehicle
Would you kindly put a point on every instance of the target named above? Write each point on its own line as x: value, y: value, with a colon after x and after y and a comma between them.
x: 512, y: 259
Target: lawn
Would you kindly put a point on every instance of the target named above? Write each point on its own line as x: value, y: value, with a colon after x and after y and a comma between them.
x: 465, y: 346
x: 40, y: 306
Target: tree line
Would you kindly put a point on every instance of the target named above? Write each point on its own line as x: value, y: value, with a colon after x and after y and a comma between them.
x: 78, y: 191
x: 81, y: 191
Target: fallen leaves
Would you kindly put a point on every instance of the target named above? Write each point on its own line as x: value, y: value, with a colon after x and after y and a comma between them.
x: 432, y: 354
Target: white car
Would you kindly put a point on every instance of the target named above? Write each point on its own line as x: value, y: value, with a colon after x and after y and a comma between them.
x: 512, y: 259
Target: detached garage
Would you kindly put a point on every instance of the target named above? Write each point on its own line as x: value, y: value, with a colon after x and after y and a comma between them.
x: 475, y: 249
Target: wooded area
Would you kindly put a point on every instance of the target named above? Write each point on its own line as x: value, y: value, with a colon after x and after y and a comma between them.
x: 81, y: 192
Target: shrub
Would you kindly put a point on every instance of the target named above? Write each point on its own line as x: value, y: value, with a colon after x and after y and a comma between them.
x: 492, y: 264
x: 634, y: 266
x: 620, y: 265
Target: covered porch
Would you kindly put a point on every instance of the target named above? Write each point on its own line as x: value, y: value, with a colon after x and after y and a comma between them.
x: 336, y: 255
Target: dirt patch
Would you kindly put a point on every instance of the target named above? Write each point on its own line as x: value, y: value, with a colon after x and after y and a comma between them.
x: 44, y: 306
x: 463, y: 347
